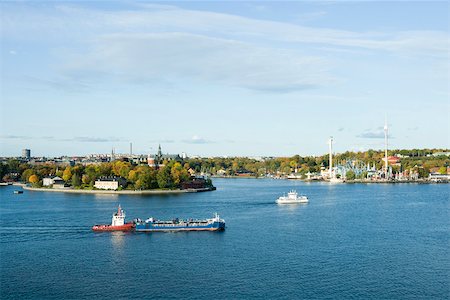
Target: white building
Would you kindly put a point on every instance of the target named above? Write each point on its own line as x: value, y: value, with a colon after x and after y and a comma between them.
x: 53, y: 181
x: 438, y: 177
x: 109, y: 183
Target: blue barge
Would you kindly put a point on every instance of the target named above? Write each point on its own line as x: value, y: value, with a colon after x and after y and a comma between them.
x: 152, y: 225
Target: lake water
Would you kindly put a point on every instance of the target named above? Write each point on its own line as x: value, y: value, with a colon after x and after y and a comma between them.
x: 352, y: 241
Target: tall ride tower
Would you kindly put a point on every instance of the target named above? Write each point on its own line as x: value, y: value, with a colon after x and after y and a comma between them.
x: 330, y: 142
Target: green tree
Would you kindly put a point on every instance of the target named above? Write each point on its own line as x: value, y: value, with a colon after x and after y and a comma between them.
x: 146, y: 178
x: 350, y: 175
x: 164, y: 177
x: 363, y: 175
x: 76, y: 181
x: 140, y: 185
x: 59, y: 173
x: 13, y: 166
x: 423, y: 172
x: 3, y: 170
x: 443, y: 170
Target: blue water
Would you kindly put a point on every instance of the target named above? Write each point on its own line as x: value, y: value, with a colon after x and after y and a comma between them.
x: 356, y: 241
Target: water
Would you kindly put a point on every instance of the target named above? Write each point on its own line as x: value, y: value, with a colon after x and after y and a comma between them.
x: 350, y: 241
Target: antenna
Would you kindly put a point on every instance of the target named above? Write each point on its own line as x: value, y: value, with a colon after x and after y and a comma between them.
x: 330, y: 142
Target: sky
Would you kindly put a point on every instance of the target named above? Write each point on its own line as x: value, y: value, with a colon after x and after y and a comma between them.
x: 228, y: 78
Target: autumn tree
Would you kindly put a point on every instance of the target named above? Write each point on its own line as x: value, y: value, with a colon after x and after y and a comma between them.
x: 67, y: 174
x: 26, y: 175
x: 133, y: 176
x: 121, y: 168
x: 33, y: 179
x: 443, y: 170
x: 179, y: 174
x: 85, y: 179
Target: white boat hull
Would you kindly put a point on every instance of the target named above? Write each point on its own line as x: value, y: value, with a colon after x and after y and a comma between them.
x: 292, y: 201
x: 292, y: 198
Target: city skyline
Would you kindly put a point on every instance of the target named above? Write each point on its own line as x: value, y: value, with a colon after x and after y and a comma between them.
x: 223, y: 78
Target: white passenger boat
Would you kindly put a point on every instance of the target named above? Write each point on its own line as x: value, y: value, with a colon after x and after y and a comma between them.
x: 292, y: 198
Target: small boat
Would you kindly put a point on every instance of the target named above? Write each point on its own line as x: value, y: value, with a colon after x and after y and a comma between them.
x: 152, y: 225
x: 292, y: 198
x: 117, y: 223
x: 18, y: 192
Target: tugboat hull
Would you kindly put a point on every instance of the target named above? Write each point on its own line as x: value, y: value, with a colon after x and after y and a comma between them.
x: 124, y: 227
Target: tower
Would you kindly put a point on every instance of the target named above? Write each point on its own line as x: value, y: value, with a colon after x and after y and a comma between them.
x: 131, y: 149
x: 26, y: 153
x: 112, y: 154
x: 159, y: 151
x: 158, y: 157
x: 385, y: 149
x: 330, y: 143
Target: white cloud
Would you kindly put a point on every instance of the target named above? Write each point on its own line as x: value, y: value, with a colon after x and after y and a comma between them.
x: 15, y: 137
x: 162, y: 43
x: 377, y: 133
x: 172, y: 56
x: 76, y: 20
x: 197, y: 140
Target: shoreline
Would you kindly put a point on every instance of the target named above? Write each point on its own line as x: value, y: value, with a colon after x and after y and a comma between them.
x: 347, y: 181
x: 124, y: 192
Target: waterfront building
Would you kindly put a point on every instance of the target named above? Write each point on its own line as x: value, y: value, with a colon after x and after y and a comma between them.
x: 438, y: 177
x: 221, y: 172
x: 109, y: 183
x: 54, y: 181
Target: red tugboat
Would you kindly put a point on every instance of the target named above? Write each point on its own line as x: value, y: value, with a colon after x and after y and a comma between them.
x: 117, y: 223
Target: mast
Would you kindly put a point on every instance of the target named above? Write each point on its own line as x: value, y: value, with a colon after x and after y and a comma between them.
x: 385, y: 149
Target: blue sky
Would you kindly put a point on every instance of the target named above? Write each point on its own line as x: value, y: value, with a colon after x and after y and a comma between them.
x: 223, y: 78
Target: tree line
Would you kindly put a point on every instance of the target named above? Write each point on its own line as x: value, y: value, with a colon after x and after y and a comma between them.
x: 173, y: 174
x: 411, y: 159
x: 139, y: 177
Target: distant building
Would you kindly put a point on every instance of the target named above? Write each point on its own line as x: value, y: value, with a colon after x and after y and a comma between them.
x: 392, y: 160
x: 438, y: 177
x: 55, y: 182
x: 194, y: 183
x: 110, y: 183
x: 221, y: 172
x: 156, y: 161
x: 441, y: 154
x: 26, y: 153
